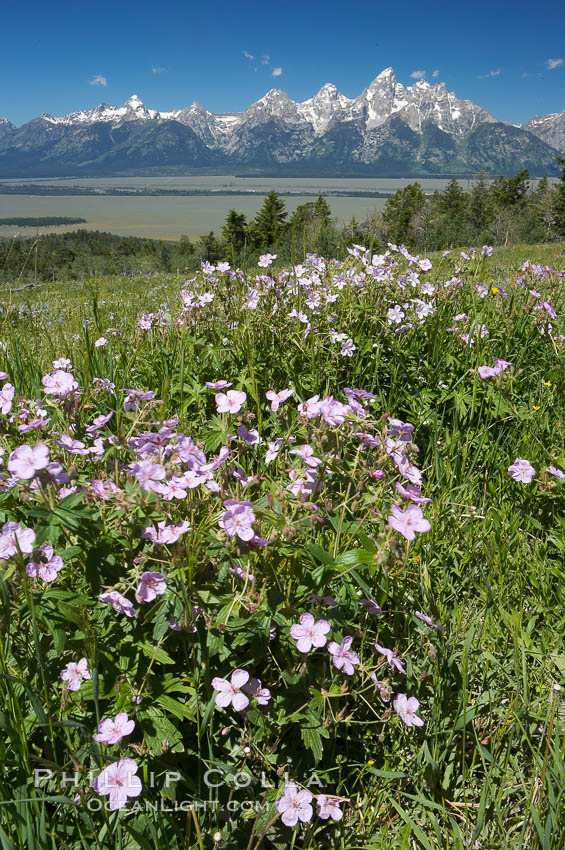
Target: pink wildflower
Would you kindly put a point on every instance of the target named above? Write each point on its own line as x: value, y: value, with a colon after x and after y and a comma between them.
x: 112, y: 731
x: 309, y: 632
x: 118, y: 781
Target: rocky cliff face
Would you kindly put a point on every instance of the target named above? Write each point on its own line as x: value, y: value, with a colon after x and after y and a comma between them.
x: 388, y: 130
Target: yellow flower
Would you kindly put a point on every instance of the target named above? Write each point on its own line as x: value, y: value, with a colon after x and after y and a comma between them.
x: 495, y: 290
x: 370, y: 763
x: 536, y: 406
x: 547, y: 383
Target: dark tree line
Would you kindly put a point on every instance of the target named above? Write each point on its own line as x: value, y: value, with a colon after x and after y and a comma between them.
x: 498, y: 212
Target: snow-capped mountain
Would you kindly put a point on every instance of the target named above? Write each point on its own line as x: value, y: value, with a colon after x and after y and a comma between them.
x: 549, y: 128
x: 389, y: 129
x: 5, y: 127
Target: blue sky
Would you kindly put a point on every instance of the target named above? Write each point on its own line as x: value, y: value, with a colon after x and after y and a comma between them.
x: 506, y: 56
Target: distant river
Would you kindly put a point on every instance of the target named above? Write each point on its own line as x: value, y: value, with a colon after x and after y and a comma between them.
x: 167, y: 217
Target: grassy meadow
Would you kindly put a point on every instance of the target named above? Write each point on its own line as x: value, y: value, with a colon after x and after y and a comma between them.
x: 331, y: 617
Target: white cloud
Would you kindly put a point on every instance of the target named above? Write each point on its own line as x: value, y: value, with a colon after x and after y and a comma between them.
x: 247, y: 54
x: 157, y: 69
x: 490, y: 75
x: 265, y: 59
x: 418, y: 75
x: 277, y: 72
x: 551, y: 64
x: 98, y: 80
x: 435, y: 74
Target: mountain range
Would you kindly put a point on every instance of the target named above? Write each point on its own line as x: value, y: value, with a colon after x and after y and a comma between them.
x: 389, y: 130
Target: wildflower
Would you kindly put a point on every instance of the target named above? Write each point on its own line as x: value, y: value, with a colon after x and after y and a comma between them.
x: 391, y: 657
x: 62, y: 363
x: 348, y: 348
x: 412, y: 493
x: 277, y: 399
x: 165, y: 534
x: 521, y: 470
x: 309, y: 632
x: 149, y: 475
x: 74, y: 673
x: 119, y: 603
x: 118, y: 781
x: 25, y: 461
x: 294, y: 805
x: 255, y: 690
x: 371, y: 606
x: 556, y: 472
x: 218, y: 385
x: 152, y: 585
x: 429, y: 621
x: 237, y: 571
x: 14, y: 539
x: 342, y: 655
x: 230, y: 402
x: 406, y: 709
x: 73, y: 447
x: 101, y: 342
x: 328, y: 807
x: 237, y: 519
x: 306, y: 452
x: 104, y: 489
x: 273, y: 449
x: 408, y: 522
x: 6, y: 398
x: 131, y: 401
x: 112, y: 731
x: 328, y: 601
x: 59, y: 383
x: 266, y: 260
x: 251, y: 437
x: 44, y: 563
x: 230, y: 692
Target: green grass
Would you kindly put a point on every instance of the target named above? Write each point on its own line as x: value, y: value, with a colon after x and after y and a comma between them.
x: 487, y: 770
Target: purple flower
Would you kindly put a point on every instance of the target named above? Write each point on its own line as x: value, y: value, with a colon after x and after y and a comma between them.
x: 44, y: 563
x: 152, y: 585
x: 342, y: 655
x: 329, y: 601
x: 238, y: 519
x: 309, y: 632
x: 149, y: 475
x: 118, y: 781
x: 371, y: 606
x: 265, y: 260
x: 74, y: 447
x: 277, y: 399
x: 556, y: 472
x: 74, y: 673
x: 59, y: 383
x: 165, y: 534
x: 429, y: 621
x: 104, y: 489
x: 14, y: 539
x: 412, y: 493
x: 25, y: 461
x: 255, y: 690
x: 230, y: 402
x: 328, y: 807
x: 391, y: 657
x: 406, y: 710
x: 521, y: 470
x: 119, y: 603
x: 131, y: 401
x: 229, y: 693
x: 112, y: 731
x: 6, y: 398
x: 294, y: 805
x: 218, y: 385
x: 408, y: 522
x: 251, y: 437
x: 400, y: 430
